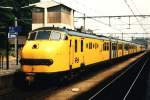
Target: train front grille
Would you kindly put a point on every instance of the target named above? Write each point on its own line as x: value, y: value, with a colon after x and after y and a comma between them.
x: 36, y: 61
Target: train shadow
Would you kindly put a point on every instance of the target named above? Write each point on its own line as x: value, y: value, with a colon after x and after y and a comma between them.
x: 60, y: 81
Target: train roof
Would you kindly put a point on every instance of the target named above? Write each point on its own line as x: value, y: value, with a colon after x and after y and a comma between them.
x: 75, y: 33
x: 50, y: 28
x: 87, y: 35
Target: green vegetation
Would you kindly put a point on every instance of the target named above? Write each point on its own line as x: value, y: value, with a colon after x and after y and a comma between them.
x: 7, y: 16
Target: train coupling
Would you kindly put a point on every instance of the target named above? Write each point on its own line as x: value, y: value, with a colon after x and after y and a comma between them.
x: 30, y: 76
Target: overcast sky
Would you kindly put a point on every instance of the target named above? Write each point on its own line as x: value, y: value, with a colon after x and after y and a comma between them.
x: 109, y: 8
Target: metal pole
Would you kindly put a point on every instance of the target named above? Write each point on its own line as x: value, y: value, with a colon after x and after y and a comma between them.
x: 7, y: 53
x: 0, y: 61
x: 84, y: 22
x: 16, y: 42
x: 109, y: 21
x: 129, y: 22
x: 122, y: 36
x: 45, y: 17
x: 17, y: 51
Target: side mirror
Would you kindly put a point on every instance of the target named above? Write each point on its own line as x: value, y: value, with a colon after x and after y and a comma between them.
x: 64, y: 37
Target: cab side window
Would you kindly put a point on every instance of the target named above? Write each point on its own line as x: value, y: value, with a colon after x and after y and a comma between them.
x: 32, y: 36
x: 55, y: 36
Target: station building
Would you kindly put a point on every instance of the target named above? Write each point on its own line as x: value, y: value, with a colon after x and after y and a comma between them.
x: 50, y: 13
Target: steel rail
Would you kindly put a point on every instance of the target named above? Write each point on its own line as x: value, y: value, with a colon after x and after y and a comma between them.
x: 111, y: 82
x: 135, y: 79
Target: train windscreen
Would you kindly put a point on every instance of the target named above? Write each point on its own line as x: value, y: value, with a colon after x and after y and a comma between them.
x: 44, y: 35
x: 55, y: 35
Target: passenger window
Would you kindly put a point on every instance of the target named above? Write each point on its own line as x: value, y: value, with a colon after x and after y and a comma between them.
x: 93, y: 46
x: 100, y: 47
x: 107, y: 46
x: 90, y: 45
x: 126, y: 46
x: 97, y: 46
x: 104, y: 47
x: 120, y: 46
x: 75, y: 45
x: 81, y: 45
x: 87, y: 45
x: 114, y: 47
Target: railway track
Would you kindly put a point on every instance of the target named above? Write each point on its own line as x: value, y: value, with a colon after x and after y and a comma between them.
x: 46, y: 90
x: 129, y: 84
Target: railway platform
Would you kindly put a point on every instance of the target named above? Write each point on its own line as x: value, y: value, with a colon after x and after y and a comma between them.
x: 12, y: 67
x: 6, y: 75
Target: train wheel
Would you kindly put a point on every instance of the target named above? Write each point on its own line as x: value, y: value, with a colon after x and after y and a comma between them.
x: 20, y: 82
x: 18, y: 76
x: 70, y: 73
x: 82, y: 67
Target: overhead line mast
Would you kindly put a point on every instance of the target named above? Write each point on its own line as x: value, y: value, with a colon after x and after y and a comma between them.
x: 135, y: 16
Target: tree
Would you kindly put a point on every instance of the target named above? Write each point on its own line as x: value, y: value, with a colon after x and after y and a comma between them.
x: 8, y: 16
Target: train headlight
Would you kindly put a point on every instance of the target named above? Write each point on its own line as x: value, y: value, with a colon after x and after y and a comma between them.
x: 35, y: 46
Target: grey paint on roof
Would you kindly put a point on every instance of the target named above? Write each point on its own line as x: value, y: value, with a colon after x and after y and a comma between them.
x: 86, y: 35
x: 74, y: 33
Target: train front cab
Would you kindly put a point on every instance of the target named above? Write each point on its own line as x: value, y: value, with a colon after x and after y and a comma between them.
x: 45, y: 54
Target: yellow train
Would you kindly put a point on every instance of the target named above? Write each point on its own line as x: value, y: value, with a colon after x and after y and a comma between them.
x: 50, y: 50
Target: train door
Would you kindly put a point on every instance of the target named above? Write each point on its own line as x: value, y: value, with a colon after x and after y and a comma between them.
x: 74, y: 53
x: 71, y: 53
x: 122, y: 49
x: 114, y: 50
x: 112, y: 56
x: 110, y: 50
x: 82, y: 52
